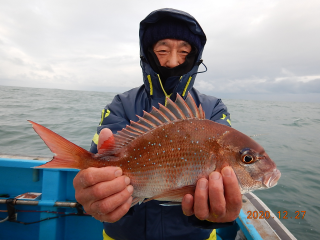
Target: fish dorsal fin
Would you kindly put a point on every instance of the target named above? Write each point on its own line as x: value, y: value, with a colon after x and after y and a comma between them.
x: 124, y: 133
x: 184, y: 107
x: 202, y: 114
x: 134, y: 130
x: 129, y: 133
x: 167, y: 112
x: 125, y: 136
x: 141, y: 127
x: 180, y: 109
x: 193, y: 106
x: 146, y: 123
x: 150, y: 117
x: 173, y: 107
x: 120, y: 138
x: 159, y: 115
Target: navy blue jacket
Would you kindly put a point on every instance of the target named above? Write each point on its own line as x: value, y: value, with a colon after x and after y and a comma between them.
x: 150, y: 220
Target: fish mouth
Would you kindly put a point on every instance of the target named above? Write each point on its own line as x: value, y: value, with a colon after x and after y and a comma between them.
x: 271, y: 178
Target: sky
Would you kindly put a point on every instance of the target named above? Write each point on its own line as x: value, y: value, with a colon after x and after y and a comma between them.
x: 260, y: 50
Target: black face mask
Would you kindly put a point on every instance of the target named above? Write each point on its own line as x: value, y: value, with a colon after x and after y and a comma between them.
x: 179, y: 70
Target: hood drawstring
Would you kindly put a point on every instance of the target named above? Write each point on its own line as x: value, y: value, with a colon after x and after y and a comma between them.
x: 200, y: 62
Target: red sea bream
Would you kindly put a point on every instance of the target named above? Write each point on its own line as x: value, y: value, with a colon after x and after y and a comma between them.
x: 168, y: 150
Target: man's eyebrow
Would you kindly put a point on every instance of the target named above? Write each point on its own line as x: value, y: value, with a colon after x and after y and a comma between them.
x: 165, y: 43
x: 184, y: 44
x: 161, y: 43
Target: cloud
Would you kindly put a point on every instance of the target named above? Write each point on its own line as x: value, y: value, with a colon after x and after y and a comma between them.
x: 289, y: 83
x: 263, y: 47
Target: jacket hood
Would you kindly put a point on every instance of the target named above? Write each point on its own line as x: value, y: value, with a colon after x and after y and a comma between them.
x: 179, y: 84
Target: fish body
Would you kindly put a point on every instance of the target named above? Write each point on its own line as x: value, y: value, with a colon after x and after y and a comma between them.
x: 168, y: 150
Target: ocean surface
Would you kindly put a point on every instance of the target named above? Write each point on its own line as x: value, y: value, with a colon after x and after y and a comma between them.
x: 289, y: 131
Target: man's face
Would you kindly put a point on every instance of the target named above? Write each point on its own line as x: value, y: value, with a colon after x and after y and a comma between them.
x: 171, y: 52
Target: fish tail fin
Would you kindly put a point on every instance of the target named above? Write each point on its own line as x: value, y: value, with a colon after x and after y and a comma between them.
x: 67, y: 154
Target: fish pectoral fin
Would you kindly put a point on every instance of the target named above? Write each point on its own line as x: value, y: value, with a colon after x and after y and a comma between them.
x: 136, y: 200
x: 174, y: 195
x: 107, y: 146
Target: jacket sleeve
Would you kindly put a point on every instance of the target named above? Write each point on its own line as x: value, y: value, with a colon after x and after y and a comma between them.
x: 220, y: 113
x: 214, y: 109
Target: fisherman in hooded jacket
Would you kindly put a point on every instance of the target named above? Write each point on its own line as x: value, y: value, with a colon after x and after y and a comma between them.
x: 106, y: 194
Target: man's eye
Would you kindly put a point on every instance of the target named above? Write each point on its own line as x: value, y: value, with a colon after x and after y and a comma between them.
x: 162, y: 51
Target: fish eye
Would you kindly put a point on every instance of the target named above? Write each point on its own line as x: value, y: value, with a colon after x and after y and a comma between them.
x: 247, y: 156
x: 247, y: 159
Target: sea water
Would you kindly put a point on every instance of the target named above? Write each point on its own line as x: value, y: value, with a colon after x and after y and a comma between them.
x: 289, y: 132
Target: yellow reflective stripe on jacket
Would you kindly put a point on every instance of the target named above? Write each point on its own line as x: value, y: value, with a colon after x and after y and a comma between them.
x: 107, y: 113
x: 106, y: 237
x: 104, y: 114
x: 213, y: 236
x: 224, y: 117
x: 185, y: 88
x: 167, y: 95
x: 150, y: 83
x: 95, y: 138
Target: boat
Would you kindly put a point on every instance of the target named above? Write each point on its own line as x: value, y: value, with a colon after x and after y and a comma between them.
x: 40, y: 204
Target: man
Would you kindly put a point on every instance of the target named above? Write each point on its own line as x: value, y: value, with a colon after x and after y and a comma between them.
x: 171, y: 45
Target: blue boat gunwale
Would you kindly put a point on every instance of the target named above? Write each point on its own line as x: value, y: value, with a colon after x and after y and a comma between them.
x: 60, y: 180
x: 30, y: 163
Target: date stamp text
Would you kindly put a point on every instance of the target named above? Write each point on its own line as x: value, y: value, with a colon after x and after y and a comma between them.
x: 280, y: 215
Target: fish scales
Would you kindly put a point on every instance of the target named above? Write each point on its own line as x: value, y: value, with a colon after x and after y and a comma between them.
x: 167, y: 150
x: 172, y: 155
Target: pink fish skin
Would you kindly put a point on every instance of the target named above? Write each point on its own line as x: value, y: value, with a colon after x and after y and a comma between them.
x: 168, y: 150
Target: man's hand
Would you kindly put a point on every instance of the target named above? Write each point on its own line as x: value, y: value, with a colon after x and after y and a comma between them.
x: 103, y: 192
x: 221, y: 192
